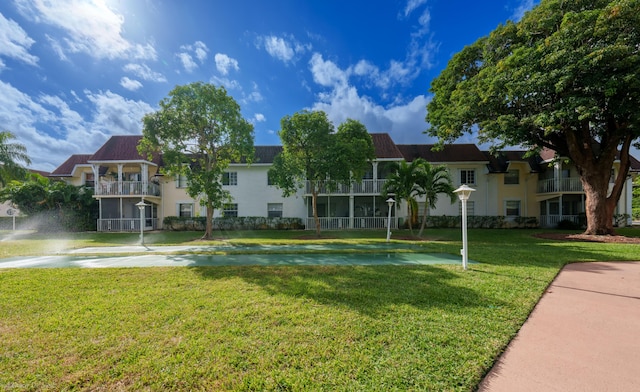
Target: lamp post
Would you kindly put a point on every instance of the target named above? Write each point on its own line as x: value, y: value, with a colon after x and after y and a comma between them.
x: 463, y: 194
x: 390, y: 203
x: 141, y: 206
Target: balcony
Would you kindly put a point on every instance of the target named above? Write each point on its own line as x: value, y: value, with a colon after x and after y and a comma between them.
x: 364, y: 187
x: 554, y: 185
x: 351, y: 223
x: 126, y: 188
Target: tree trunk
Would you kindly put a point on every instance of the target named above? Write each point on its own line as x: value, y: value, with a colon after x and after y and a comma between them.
x: 598, y: 208
x: 424, y: 218
x: 594, y: 163
x: 410, y: 215
x: 208, y: 231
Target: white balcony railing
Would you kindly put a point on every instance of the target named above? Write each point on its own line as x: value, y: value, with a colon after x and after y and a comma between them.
x: 363, y: 187
x: 124, y: 188
x: 571, y: 184
x: 126, y: 224
x: 345, y: 223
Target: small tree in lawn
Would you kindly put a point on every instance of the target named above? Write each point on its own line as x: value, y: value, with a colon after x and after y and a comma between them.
x: 403, y: 184
x: 432, y: 181
x: 199, y: 130
x: 313, y: 152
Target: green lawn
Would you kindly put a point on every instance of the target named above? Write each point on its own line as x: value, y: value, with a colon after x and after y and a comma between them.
x: 373, y: 328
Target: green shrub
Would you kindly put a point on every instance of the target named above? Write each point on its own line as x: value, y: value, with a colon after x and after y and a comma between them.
x: 176, y: 223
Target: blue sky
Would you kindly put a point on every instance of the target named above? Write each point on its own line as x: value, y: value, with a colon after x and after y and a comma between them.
x: 75, y: 72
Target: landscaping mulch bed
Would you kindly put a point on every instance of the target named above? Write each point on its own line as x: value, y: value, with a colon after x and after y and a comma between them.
x: 590, y: 238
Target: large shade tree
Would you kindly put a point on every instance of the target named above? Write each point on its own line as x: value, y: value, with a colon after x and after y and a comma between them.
x: 199, y: 130
x: 12, y: 158
x: 315, y: 154
x: 565, y: 77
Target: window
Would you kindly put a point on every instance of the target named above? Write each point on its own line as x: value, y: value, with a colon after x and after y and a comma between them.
x: 512, y: 208
x: 230, y: 178
x: 185, y: 210
x: 274, y: 210
x: 471, y: 208
x: 468, y: 177
x: 512, y: 177
x: 270, y: 180
x: 230, y: 210
x: 181, y: 181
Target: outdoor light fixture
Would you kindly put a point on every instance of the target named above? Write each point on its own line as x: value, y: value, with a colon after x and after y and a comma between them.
x: 141, y: 206
x: 390, y: 203
x: 464, y: 192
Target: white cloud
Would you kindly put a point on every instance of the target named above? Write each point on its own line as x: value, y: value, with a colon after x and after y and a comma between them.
x: 228, y: 84
x: 187, y: 61
x: 57, y: 47
x: 91, y: 27
x: 327, y: 73
x: 278, y: 48
x: 15, y: 42
x: 130, y: 84
x: 412, y: 5
x: 224, y: 63
x: 116, y: 115
x: 26, y: 117
x: 144, y: 72
x: 198, y: 49
x: 283, y: 49
x: 404, y: 120
x: 522, y: 8
x: 259, y: 117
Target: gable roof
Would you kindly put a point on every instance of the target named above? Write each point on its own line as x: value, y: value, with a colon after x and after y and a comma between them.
x: 384, y: 146
x: 499, y: 162
x: 68, y: 166
x: 449, y: 153
x: 122, y: 148
x: 266, y: 154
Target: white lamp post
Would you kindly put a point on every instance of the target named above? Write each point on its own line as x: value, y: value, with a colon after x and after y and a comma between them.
x: 390, y: 203
x: 463, y: 194
x: 141, y: 206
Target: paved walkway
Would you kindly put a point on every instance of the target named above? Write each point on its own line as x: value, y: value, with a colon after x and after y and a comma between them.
x: 584, y: 335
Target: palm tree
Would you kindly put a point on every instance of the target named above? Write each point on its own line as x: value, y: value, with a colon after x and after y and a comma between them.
x: 433, y: 180
x: 10, y: 155
x: 402, y: 182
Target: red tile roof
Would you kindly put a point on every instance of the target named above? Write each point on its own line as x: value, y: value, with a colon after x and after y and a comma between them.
x: 385, y: 147
x: 121, y: 148
x: 449, y: 153
x: 66, y: 169
x: 499, y: 162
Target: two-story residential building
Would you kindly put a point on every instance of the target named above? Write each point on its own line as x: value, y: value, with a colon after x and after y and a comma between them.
x: 509, y: 184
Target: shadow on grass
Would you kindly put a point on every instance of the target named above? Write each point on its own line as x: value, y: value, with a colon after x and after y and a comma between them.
x: 370, y: 290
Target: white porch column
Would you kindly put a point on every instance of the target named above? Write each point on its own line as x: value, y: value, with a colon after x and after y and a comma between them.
x: 628, y: 208
x: 557, y: 173
x: 144, y: 170
x: 351, y: 211
x: 120, y: 178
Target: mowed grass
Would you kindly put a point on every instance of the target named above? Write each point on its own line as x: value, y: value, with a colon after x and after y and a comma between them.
x: 285, y: 328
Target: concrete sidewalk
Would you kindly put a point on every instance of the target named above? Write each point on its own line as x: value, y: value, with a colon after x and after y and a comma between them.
x: 584, y: 335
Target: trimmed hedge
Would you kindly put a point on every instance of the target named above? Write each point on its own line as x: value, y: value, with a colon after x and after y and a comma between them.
x: 480, y: 222
x: 176, y: 223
